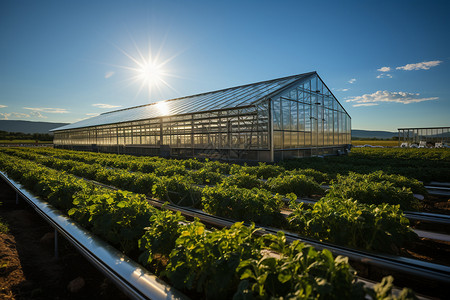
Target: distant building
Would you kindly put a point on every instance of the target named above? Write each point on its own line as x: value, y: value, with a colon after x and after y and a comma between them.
x: 295, y: 116
x: 424, y: 137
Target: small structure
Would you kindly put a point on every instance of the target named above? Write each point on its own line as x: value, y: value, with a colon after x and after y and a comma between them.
x: 424, y: 137
x: 288, y: 117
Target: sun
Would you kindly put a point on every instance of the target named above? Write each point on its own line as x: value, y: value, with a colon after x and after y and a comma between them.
x: 150, y: 73
x: 148, y: 69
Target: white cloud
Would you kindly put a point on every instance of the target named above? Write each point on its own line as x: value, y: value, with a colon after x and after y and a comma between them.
x: 3, y: 106
x: 103, y: 105
x: 48, y: 110
x: 385, y: 96
x: 365, y: 104
x: 109, y: 74
x: 342, y: 90
x: 92, y: 114
x: 384, y: 76
x: 352, y: 80
x: 4, y: 116
x: 20, y: 115
x: 384, y: 69
x: 420, y: 66
x: 37, y: 114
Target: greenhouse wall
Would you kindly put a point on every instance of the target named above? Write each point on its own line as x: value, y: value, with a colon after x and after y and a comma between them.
x: 300, y: 118
x: 241, y: 133
x: 309, y: 121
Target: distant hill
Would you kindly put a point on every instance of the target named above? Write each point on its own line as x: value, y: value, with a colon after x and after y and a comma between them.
x: 44, y: 127
x: 28, y: 126
x: 357, y: 133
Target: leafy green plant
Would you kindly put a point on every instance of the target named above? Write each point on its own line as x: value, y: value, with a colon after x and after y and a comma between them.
x: 4, y: 228
x: 160, y: 236
x: 318, y: 176
x: 397, y: 180
x: 300, y: 185
x: 349, y: 223
x: 255, y: 205
x: 263, y: 170
x: 205, y: 176
x: 243, y: 180
x: 179, y: 190
x: 296, y: 271
x: 206, y: 262
x: 120, y: 217
x: 372, y: 192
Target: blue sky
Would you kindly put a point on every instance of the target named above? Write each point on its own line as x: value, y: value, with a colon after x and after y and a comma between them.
x: 388, y: 62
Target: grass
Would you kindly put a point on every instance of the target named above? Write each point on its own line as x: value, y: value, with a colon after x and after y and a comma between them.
x: 388, y: 143
x: 3, y: 227
x: 24, y: 142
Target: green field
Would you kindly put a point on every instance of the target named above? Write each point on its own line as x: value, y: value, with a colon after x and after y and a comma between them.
x: 384, y: 143
x: 24, y: 142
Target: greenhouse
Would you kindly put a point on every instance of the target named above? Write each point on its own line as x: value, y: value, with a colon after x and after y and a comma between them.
x: 295, y: 116
x: 424, y: 137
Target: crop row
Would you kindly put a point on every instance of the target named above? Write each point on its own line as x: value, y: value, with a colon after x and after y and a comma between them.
x: 212, y: 172
x: 422, y: 164
x: 354, y: 221
x: 208, y: 264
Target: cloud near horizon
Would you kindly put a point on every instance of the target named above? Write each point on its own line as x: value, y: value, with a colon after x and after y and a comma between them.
x: 37, y: 114
x: 3, y: 106
x: 425, y: 65
x: 365, y: 104
x: 48, y: 110
x: 385, y: 96
x: 103, y: 105
x: 6, y: 116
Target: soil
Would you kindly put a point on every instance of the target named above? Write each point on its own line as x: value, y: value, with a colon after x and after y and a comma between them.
x: 28, y: 267
x: 436, y: 204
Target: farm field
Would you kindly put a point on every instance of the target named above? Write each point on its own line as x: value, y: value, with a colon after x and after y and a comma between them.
x: 357, y: 206
x: 384, y: 143
x: 13, y: 142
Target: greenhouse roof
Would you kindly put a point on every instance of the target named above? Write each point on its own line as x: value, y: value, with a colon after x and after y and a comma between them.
x: 234, y: 97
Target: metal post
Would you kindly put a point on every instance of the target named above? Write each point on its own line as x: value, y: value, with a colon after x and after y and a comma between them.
x: 56, y: 244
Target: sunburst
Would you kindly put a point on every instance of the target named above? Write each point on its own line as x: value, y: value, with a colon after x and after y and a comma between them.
x: 149, y: 71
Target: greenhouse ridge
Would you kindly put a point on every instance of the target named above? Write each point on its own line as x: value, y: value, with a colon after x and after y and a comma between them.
x: 292, y: 116
x: 221, y: 90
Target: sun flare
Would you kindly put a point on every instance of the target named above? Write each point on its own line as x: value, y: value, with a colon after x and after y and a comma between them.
x: 148, y: 70
x: 150, y: 73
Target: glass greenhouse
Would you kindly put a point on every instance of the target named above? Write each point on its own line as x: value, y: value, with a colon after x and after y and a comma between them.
x: 295, y: 116
x: 424, y: 137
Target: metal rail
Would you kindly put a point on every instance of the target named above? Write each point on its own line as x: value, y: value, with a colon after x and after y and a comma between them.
x: 130, y: 277
x: 438, y: 190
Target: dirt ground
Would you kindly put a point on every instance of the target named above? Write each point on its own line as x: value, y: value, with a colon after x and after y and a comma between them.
x: 28, y: 267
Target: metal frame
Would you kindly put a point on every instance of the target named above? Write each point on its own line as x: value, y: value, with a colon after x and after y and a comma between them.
x: 126, y: 274
x: 428, y: 135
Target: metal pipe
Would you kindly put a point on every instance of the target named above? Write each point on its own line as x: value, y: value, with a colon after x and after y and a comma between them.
x: 129, y: 276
